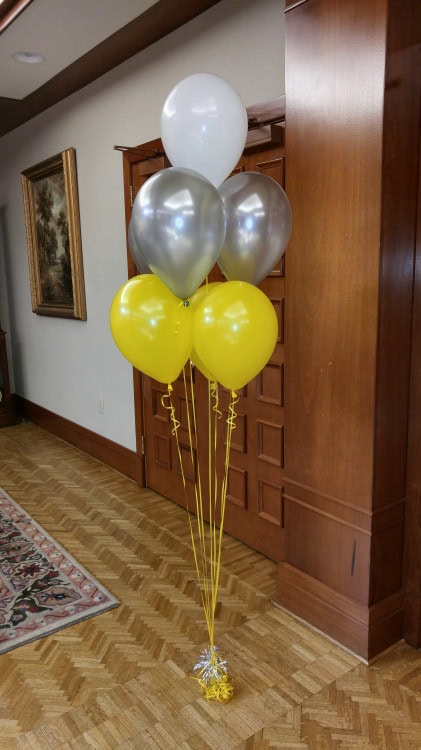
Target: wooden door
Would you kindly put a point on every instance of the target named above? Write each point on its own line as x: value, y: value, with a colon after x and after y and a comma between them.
x: 254, y: 498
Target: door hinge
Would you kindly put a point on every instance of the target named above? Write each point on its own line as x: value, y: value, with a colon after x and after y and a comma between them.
x: 142, y: 445
x: 132, y: 195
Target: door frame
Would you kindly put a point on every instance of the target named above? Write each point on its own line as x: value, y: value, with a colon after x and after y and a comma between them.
x: 133, y: 155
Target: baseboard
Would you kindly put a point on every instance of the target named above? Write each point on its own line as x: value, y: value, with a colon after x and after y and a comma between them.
x: 364, y: 630
x: 113, y: 455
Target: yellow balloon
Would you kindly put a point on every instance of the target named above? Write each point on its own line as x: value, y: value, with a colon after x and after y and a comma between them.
x: 202, y: 291
x: 197, y: 297
x: 235, y: 329
x: 151, y: 327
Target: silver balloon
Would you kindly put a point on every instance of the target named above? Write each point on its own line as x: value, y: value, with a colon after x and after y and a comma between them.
x: 258, y: 226
x: 179, y: 226
x: 141, y: 265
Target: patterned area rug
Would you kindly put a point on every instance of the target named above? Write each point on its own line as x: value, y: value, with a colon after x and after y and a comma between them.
x: 42, y: 587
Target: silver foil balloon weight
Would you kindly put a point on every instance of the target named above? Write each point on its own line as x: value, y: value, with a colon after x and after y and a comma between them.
x: 178, y: 224
x: 258, y: 226
x: 212, y: 676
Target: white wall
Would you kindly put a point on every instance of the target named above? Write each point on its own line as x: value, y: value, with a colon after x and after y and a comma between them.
x: 67, y: 365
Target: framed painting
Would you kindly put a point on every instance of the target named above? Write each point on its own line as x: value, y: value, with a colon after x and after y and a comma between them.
x: 52, y: 220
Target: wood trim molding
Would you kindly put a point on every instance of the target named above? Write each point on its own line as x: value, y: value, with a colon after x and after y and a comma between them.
x: 264, y: 113
x: 290, y: 4
x: 366, y: 631
x: 10, y: 10
x: 162, y: 18
x: 113, y: 455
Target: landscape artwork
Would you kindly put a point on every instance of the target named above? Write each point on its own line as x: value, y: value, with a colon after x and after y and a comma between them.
x: 53, y: 237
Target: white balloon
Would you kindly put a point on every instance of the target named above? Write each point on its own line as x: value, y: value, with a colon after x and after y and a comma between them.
x: 204, y: 126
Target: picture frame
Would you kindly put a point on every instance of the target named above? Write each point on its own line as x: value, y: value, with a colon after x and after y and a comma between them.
x: 51, y: 207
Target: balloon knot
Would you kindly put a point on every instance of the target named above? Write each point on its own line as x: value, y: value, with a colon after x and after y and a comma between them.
x: 186, y: 303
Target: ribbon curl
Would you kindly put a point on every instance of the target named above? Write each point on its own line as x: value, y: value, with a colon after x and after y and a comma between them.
x: 211, y: 669
x: 232, y: 414
x: 171, y: 408
x: 213, y: 389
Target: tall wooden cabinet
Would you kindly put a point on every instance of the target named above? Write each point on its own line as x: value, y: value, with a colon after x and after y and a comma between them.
x: 352, y: 148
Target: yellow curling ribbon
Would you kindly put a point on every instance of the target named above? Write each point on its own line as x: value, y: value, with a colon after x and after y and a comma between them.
x: 213, y: 389
x: 171, y: 408
x: 211, y: 669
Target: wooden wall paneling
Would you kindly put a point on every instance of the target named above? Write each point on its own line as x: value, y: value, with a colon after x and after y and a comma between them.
x: 333, y: 151
x: 347, y: 289
x: 412, y: 556
x: 398, y: 229
x: 334, y: 144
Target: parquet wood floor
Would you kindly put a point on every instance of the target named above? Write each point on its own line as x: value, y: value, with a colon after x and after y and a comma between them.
x: 121, y: 680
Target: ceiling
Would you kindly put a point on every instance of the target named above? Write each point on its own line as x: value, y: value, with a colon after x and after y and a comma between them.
x: 79, y: 40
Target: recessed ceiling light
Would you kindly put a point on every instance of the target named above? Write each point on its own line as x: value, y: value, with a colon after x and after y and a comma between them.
x: 28, y: 57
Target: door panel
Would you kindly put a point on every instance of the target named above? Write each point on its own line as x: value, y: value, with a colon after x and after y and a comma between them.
x: 254, y: 498
x: 163, y: 473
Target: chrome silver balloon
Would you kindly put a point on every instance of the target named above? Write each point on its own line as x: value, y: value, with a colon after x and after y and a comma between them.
x: 258, y: 226
x: 178, y: 223
x: 141, y: 264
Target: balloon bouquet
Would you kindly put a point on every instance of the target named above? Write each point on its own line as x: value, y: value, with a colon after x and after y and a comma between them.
x: 185, y: 219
